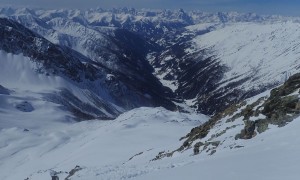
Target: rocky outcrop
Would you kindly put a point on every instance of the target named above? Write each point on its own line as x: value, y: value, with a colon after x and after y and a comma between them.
x: 280, y: 108
x: 73, y: 171
x: 25, y: 106
x: 4, y: 91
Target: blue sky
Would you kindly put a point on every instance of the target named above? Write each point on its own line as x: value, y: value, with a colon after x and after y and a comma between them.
x: 284, y: 7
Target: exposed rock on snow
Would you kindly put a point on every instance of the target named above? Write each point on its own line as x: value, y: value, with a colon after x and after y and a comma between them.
x: 25, y: 106
x: 279, y: 108
x: 4, y: 91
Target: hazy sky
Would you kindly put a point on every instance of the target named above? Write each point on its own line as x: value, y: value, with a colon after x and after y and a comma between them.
x: 285, y: 7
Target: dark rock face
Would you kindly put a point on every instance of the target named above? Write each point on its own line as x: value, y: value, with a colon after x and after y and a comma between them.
x: 73, y: 171
x: 249, y: 130
x: 54, y: 178
x: 283, y: 104
x: 4, y: 91
x: 25, y: 107
x: 280, y: 108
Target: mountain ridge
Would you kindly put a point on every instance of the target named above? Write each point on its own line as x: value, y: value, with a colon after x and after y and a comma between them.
x: 123, y: 40
x: 74, y: 86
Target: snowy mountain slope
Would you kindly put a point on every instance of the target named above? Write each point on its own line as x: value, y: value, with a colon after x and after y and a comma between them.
x: 104, y: 62
x: 19, y: 76
x: 114, y: 48
x: 185, y: 49
x: 101, y: 92
x: 258, y: 135
x: 211, y: 66
x: 271, y: 156
x: 132, y: 145
x: 45, y: 59
x: 246, y: 120
x: 100, y: 145
x: 256, y: 56
x: 268, y: 53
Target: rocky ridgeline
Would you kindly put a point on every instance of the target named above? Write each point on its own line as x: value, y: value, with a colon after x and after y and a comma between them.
x: 246, y: 120
x: 281, y: 107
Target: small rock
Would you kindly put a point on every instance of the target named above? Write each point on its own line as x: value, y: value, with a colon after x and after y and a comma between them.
x: 25, y: 107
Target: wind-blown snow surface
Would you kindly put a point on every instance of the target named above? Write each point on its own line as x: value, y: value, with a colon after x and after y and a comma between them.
x: 274, y: 155
x: 18, y: 72
x: 38, y: 136
x: 26, y: 89
x: 101, y: 148
x: 124, y: 148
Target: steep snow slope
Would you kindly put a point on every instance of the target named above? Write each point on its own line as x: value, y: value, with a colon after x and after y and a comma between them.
x: 259, y: 134
x: 259, y: 54
x: 43, y: 141
x: 125, y: 149
x: 107, y: 91
x: 21, y: 80
x: 99, y: 147
x: 271, y: 156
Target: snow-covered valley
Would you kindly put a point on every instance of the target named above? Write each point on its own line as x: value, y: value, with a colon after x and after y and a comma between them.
x: 120, y: 94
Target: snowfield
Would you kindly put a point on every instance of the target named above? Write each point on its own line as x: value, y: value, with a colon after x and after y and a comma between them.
x: 40, y: 140
x: 124, y: 148
x: 99, y: 147
x: 274, y: 155
x: 39, y: 136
